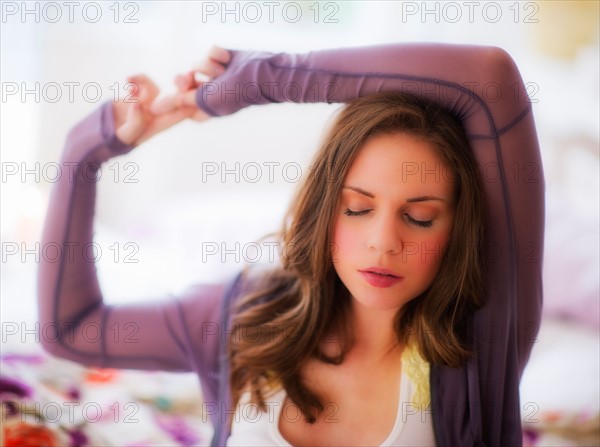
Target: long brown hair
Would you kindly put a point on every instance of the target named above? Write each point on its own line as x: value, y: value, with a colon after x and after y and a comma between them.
x: 295, y: 306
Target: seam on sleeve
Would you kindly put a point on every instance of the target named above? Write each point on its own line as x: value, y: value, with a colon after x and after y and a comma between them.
x: 514, y: 122
x: 103, y: 334
x: 379, y: 75
x: 61, y: 269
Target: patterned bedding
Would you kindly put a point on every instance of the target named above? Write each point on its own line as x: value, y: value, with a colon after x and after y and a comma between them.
x: 52, y: 402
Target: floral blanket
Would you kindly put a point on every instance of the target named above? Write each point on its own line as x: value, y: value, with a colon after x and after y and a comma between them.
x: 53, y: 402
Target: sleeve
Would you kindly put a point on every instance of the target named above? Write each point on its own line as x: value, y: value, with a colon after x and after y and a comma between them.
x: 483, y: 88
x: 175, y: 334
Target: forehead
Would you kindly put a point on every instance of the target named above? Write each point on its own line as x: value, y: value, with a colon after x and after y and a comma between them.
x: 400, y: 163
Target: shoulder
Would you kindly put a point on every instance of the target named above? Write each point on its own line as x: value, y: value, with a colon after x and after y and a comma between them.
x: 256, y: 284
x: 262, y: 278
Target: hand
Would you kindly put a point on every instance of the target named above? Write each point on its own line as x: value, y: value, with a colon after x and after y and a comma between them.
x: 187, y: 83
x: 135, y: 122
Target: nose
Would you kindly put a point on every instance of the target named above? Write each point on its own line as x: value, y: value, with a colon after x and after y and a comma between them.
x: 384, y: 235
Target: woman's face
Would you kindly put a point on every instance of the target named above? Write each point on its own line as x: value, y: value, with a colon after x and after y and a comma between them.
x: 393, y: 221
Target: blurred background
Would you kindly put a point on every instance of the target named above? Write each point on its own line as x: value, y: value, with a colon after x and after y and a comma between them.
x: 170, y: 213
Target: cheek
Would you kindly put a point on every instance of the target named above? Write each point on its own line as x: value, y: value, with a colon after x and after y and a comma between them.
x: 432, y: 253
x: 344, y: 241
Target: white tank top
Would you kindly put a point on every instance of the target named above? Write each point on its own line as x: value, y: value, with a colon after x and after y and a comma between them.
x: 413, y: 425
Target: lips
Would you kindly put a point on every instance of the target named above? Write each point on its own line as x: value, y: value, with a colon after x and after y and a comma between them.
x: 380, y: 277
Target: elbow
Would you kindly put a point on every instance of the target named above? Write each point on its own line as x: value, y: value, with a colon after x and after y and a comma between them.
x: 501, y: 72
x: 499, y: 56
x: 502, y: 66
x: 51, y: 335
x: 50, y: 339
x: 56, y: 346
x: 49, y: 348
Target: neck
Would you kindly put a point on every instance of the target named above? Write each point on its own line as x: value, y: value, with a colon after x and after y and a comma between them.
x: 373, y: 330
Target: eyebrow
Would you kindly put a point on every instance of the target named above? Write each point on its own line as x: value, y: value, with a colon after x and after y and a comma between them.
x: 411, y: 200
x: 360, y: 191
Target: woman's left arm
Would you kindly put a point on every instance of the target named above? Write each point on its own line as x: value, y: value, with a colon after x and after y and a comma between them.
x: 483, y: 88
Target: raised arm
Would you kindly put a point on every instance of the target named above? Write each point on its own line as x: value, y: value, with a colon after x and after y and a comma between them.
x: 176, y: 334
x: 482, y: 86
x: 467, y: 79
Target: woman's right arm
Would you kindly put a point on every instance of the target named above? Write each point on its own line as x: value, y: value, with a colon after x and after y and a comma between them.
x: 75, y: 323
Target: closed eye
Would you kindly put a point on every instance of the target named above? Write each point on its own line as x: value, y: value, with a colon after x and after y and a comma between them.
x: 419, y: 223
x: 349, y: 212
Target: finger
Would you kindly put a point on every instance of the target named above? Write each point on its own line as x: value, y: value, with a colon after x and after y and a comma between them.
x: 185, y: 81
x: 145, y: 90
x: 165, y: 121
x: 210, y: 68
x: 133, y: 126
x: 135, y: 116
x: 187, y: 99
x: 164, y: 105
x: 171, y: 103
x: 219, y: 54
x: 200, y: 78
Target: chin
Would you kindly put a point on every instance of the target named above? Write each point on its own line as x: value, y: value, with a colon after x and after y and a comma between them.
x: 378, y: 301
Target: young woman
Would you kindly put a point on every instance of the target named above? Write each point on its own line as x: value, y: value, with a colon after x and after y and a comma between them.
x: 379, y: 327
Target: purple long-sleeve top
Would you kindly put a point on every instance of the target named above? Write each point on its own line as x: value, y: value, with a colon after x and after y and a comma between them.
x: 477, y: 404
